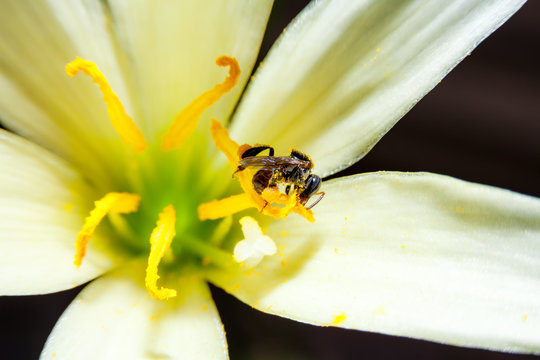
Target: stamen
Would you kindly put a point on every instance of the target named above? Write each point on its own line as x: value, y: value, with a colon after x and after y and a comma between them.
x: 121, y: 203
x: 186, y: 121
x: 122, y: 123
x: 160, y: 241
x: 255, y: 246
x: 218, y: 209
x: 231, y: 205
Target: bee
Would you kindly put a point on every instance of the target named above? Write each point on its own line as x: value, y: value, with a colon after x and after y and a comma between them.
x: 292, y: 172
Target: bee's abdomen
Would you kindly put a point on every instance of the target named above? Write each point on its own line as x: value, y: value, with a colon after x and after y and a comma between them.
x: 261, y: 180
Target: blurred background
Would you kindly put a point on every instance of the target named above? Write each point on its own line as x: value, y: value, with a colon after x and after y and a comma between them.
x: 481, y: 124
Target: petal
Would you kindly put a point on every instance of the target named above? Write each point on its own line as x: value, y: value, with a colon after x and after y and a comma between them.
x: 38, y: 99
x: 345, y: 72
x: 42, y: 206
x: 418, y: 255
x: 172, y: 47
x: 115, y: 318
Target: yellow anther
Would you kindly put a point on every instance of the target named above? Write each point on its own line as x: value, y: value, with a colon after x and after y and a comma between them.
x: 160, y: 241
x: 228, y: 206
x: 186, y: 121
x: 122, y: 123
x: 121, y: 203
x: 218, y: 209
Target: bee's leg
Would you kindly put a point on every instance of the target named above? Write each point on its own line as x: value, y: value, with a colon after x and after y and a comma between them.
x: 254, y: 151
x: 316, y: 202
x: 287, y: 189
x: 265, y: 204
x: 239, y: 168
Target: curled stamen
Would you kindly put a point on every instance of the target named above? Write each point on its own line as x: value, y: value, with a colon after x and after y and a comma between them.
x: 122, y: 123
x: 255, y: 246
x: 160, y: 241
x: 121, y: 203
x: 186, y: 121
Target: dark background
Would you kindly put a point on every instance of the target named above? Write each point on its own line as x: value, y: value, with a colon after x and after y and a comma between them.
x: 481, y: 124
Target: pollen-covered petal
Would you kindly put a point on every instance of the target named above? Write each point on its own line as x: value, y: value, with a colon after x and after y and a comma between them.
x: 171, y: 46
x: 116, y: 203
x: 115, y: 318
x: 42, y: 206
x: 122, y: 123
x: 364, y: 64
x: 255, y: 246
x: 186, y: 121
x: 408, y: 254
x: 160, y: 242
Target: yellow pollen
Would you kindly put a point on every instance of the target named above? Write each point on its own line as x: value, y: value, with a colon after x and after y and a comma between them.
x: 250, y: 198
x: 122, y: 123
x: 160, y: 241
x: 338, y: 319
x: 186, y: 121
x: 121, y: 203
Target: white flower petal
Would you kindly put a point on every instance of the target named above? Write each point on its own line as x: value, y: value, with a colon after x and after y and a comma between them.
x: 41, y: 213
x: 172, y: 47
x: 38, y: 99
x: 346, y: 71
x: 115, y: 318
x: 418, y: 255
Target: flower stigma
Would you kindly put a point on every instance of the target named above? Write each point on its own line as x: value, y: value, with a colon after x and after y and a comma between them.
x: 119, y: 203
x: 255, y: 246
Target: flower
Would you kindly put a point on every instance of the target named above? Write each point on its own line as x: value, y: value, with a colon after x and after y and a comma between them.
x: 418, y: 255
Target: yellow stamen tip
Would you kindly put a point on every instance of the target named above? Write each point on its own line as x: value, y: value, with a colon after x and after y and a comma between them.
x: 186, y: 121
x: 121, y: 203
x: 160, y: 241
x: 122, y: 123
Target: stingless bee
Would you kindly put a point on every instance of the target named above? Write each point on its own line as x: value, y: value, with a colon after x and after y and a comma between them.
x: 293, y: 172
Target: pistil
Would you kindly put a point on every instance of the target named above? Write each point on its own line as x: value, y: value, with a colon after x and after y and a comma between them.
x: 255, y: 246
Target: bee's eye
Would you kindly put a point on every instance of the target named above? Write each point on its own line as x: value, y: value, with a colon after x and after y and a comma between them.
x: 313, y: 184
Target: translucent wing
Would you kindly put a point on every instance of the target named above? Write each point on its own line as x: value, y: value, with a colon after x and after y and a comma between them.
x: 272, y: 162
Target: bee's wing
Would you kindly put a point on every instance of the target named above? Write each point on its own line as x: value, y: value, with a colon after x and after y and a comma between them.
x: 271, y: 161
